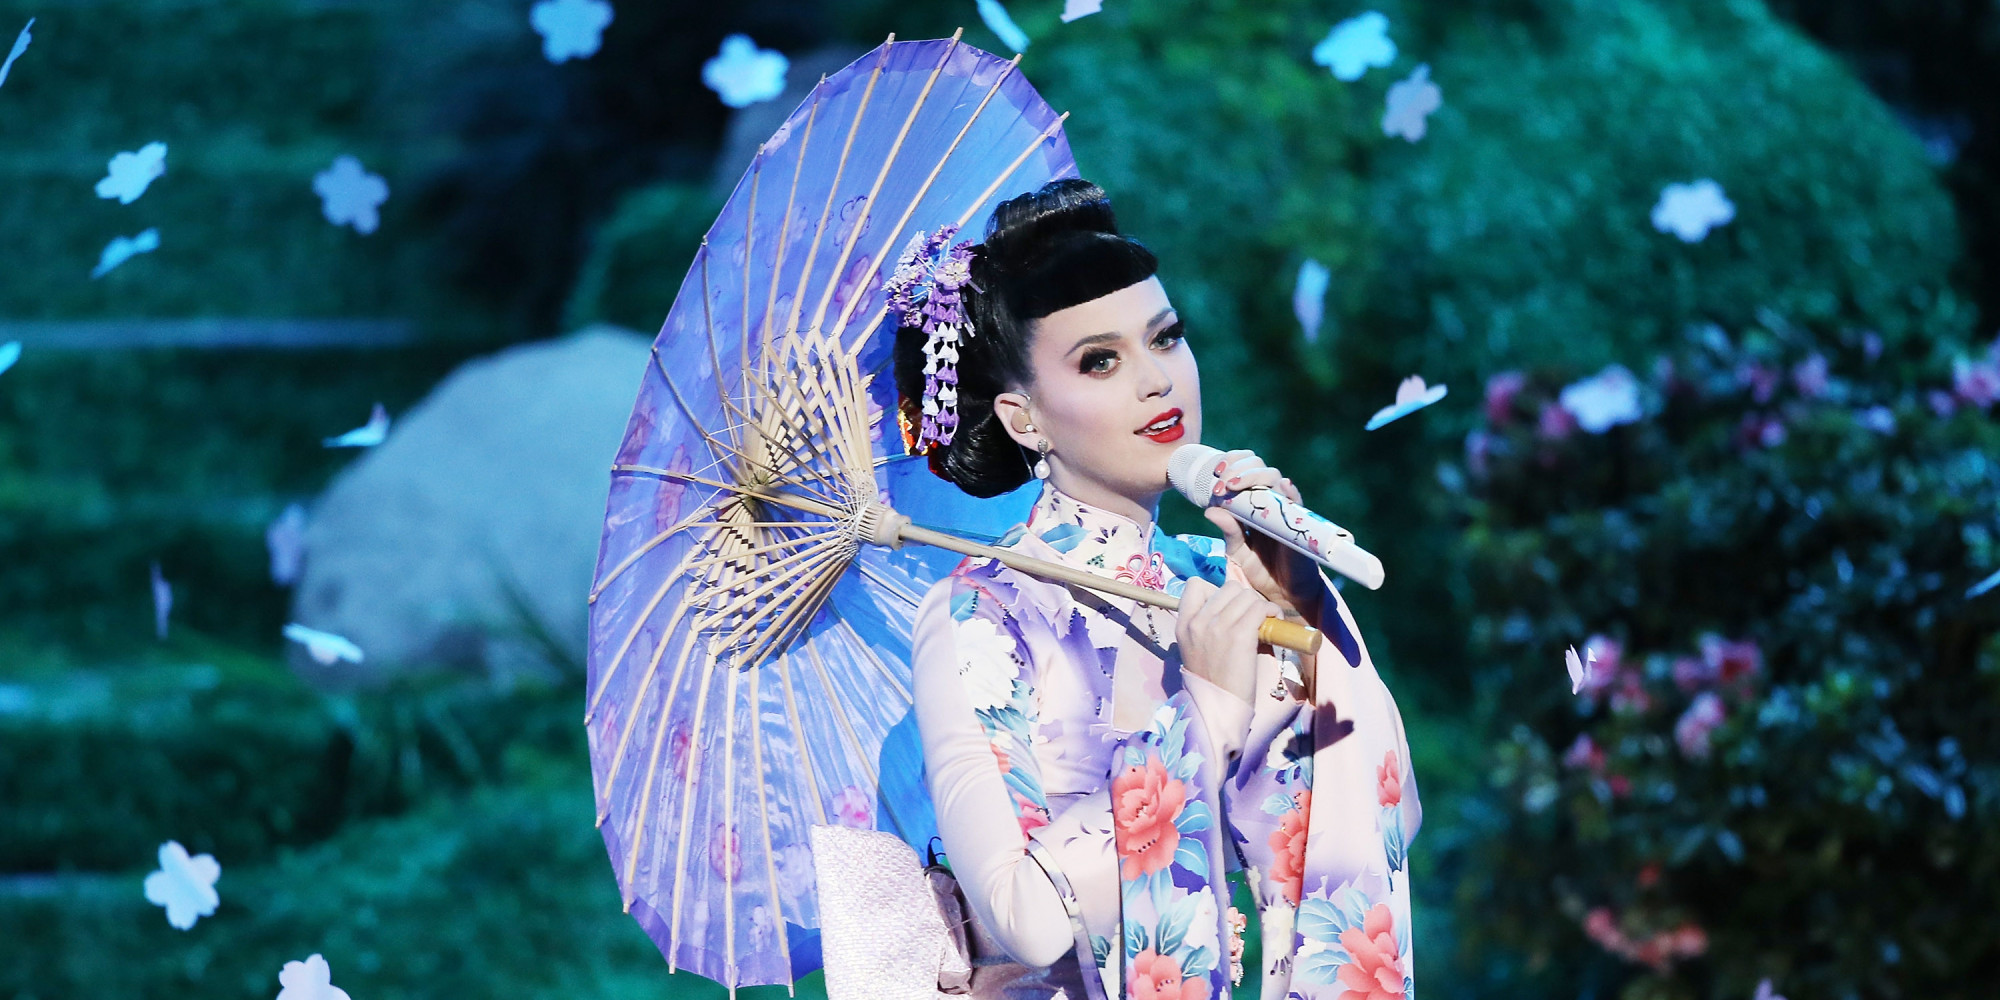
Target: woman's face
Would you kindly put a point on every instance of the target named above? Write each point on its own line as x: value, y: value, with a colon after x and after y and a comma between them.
x: 1115, y: 391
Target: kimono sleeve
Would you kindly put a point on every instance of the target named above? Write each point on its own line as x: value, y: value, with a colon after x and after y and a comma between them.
x: 974, y: 703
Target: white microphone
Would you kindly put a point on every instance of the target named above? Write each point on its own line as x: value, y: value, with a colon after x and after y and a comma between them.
x: 1192, y: 471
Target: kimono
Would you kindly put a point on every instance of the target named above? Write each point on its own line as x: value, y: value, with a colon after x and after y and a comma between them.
x: 1091, y: 796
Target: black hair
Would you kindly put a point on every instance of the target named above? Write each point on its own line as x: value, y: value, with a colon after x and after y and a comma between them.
x: 1043, y: 252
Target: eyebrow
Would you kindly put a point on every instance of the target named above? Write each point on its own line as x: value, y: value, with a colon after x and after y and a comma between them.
x: 1101, y: 338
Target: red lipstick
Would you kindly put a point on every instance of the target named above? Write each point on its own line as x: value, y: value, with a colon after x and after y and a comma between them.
x: 1166, y: 428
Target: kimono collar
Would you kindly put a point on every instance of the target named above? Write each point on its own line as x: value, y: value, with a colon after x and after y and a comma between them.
x: 1098, y: 540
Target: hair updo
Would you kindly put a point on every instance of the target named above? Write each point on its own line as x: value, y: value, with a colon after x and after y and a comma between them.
x: 1043, y: 252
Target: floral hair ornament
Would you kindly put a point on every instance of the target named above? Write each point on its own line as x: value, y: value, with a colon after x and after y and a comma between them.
x: 924, y: 293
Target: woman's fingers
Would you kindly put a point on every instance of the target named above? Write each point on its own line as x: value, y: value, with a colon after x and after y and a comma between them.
x: 1197, y: 594
x: 1243, y: 470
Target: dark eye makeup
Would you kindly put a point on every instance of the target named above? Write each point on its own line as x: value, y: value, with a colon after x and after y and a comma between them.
x: 1100, y: 360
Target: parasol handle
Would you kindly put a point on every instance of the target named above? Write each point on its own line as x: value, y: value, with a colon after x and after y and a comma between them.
x: 1275, y: 631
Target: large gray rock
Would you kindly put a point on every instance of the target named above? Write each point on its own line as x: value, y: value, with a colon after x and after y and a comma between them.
x: 466, y: 541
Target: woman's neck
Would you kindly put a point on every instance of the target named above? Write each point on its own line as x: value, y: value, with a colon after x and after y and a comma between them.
x: 1139, y: 510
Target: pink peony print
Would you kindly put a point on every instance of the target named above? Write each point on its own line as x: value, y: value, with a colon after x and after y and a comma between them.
x: 1031, y: 816
x: 1288, y: 848
x: 1377, y: 970
x: 1145, y: 801
x: 1154, y: 976
x: 1389, y: 781
x: 851, y: 808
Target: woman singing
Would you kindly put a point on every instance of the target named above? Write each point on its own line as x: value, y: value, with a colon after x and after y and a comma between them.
x: 1097, y: 766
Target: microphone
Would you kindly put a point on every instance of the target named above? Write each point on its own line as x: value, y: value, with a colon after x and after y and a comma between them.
x: 1191, y: 470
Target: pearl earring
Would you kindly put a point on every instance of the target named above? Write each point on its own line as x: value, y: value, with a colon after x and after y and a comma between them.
x: 1042, y: 465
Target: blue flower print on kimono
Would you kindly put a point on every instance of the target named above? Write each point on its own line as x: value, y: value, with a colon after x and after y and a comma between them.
x: 990, y: 665
x: 1352, y: 946
x: 1167, y: 853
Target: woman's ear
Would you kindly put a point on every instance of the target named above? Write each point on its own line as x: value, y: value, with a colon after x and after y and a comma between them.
x: 1012, y: 409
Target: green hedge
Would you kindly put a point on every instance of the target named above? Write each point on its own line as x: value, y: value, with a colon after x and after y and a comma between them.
x: 231, y: 754
x: 502, y: 893
x: 1823, y: 811
x: 89, y: 495
x: 98, y: 767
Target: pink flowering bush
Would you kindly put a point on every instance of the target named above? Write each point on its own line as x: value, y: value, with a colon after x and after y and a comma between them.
x: 1784, y: 763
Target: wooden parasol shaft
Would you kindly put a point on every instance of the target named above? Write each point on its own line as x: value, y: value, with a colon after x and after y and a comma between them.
x: 1276, y: 631
x: 883, y: 526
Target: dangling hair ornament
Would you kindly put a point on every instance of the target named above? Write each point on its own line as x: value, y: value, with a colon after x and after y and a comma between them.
x: 924, y: 293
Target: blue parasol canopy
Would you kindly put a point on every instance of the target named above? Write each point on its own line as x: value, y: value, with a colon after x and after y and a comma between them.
x: 749, y: 654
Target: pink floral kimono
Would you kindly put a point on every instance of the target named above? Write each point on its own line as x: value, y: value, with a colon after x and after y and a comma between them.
x: 1090, y: 804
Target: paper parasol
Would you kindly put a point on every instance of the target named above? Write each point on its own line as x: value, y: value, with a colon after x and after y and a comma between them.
x: 751, y: 617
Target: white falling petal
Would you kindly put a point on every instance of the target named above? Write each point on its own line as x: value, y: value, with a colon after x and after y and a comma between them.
x: 1410, y: 103
x: 1411, y: 395
x: 1073, y: 9
x: 1689, y: 211
x: 163, y: 601
x: 351, y: 196
x: 20, y: 45
x: 184, y: 885
x: 124, y: 248
x: 1355, y: 45
x: 368, y: 435
x: 128, y: 175
x: 570, y: 29
x: 10, y: 352
x: 311, y: 979
x: 1309, y: 297
x: 743, y: 74
x: 1580, y: 669
x: 1604, y: 400
x: 325, y: 648
x: 286, y: 540
x: 1002, y: 24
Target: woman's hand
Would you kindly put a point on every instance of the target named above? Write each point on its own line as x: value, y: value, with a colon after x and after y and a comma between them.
x: 1217, y: 633
x: 1281, y: 575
